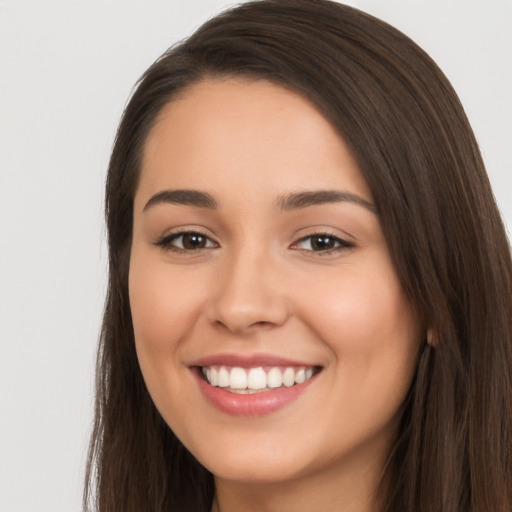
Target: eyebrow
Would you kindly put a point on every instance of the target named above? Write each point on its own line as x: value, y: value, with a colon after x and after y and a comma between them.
x: 305, y: 199
x: 289, y: 202
x: 183, y: 197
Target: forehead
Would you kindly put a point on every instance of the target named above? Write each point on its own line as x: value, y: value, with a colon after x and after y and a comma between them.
x: 244, y: 133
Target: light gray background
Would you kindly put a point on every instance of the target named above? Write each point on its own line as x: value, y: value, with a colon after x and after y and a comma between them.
x: 66, y: 70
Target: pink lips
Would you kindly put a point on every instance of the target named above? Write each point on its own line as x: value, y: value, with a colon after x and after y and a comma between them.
x: 246, y: 361
x: 257, y: 404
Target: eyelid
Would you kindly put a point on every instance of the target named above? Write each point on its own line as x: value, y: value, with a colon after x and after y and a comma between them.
x: 166, y: 241
x: 342, y: 243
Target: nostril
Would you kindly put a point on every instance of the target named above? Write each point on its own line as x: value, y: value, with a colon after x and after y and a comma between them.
x: 262, y: 324
x: 245, y: 321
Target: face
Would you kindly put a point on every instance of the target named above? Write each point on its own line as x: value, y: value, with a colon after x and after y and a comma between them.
x: 271, y: 328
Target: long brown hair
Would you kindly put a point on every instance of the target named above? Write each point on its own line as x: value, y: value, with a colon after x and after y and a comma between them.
x: 417, y: 152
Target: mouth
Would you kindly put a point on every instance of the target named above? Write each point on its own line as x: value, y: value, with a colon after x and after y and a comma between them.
x: 259, y: 379
x: 253, y: 385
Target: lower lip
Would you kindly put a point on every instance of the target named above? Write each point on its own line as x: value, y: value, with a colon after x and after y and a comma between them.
x: 255, y: 404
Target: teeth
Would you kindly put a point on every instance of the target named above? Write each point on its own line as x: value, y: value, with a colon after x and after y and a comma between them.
x: 300, y: 376
x: 289, y: 377
x: 275, y: 378
x: 257, y: 378
x: 253, y: 380
x: 212, y: 375
x: 237, y: 378
x: 223, y: 381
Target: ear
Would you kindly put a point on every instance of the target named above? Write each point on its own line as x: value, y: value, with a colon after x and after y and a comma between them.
x: 432, y: 338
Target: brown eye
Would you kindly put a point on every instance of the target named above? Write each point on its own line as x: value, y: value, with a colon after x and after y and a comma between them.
x: 186, y: 241
x: 322, y: 242
x: 193, y: 241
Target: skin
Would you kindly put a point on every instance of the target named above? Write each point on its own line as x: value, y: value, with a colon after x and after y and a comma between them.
x: 258, y: 286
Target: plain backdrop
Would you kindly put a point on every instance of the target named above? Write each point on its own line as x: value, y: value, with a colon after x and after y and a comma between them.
x: 66, y: 70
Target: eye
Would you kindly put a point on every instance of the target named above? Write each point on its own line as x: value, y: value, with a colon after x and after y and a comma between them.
x: 322, y: 242
x: 186, y: 241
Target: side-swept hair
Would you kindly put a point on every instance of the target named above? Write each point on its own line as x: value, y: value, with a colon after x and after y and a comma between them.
x: 413, y: 143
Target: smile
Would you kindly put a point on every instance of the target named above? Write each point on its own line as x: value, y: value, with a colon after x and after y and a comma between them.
x: 255, y: 380
x: 252, y: 385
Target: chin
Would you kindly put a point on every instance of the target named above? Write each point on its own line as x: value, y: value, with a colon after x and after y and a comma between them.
x: 260, y: 461
x: 255, y: 471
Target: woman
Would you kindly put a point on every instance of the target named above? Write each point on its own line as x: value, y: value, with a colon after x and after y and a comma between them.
x: 310, y: 285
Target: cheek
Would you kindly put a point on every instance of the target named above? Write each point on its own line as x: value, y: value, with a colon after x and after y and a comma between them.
x: 164, y: 307
x: 369, y: 325
x: 163, y: 304
x: 372, y: 333
x: 360, y: 308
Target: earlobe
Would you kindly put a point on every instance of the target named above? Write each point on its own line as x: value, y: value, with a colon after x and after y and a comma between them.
x: 432, y: 338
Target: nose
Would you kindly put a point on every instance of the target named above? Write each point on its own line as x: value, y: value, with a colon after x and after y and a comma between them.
x: 249, y: 294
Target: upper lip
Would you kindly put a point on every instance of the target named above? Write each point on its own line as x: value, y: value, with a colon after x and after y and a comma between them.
x: 247, y: 360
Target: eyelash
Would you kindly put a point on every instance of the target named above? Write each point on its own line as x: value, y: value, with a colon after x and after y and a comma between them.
x: 167, y: 242
x: 340, y: 243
